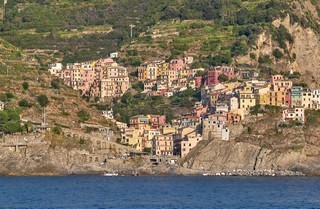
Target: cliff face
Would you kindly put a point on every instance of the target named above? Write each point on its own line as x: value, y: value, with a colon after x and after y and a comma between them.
x: 41, y: 159
x: 219, y: 156
x: 265, y: 147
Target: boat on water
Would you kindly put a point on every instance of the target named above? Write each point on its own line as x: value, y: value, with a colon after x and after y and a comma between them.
x: 110, y: 174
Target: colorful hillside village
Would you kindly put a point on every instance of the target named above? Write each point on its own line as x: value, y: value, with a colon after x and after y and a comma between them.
x: 223, y: 105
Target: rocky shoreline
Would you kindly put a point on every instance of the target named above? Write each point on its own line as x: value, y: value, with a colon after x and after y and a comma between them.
x: 240, y: 172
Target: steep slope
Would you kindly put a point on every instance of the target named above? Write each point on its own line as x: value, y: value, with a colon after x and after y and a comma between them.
x: 267, y: 145
x: 17, y: 68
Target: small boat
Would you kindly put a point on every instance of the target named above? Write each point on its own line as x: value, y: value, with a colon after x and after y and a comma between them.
x: 110, y: 174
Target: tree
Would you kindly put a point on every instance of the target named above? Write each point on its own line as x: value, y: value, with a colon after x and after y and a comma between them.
x: 25, y: 86
x: 55, y: 84
x: 24, y: 103
x: 9, y: 95
x: 3, y: 117
x: 12, y: 126
x: 43, y: 100
x: 223, y: 78
x: 83, y: 115
x: 277, y: 54
x: 13, y: 114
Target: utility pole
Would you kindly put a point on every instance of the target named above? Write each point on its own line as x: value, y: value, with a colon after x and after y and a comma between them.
x: 44, y: 117
x: 131, y: 26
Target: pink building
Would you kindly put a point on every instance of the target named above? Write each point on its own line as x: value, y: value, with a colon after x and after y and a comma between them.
x: 176, y: 65
x: 199, y: 111
x: 288, y: 99
x: 189, y: 143
x: 213, y: 75
x: 199, y: 82
x: 157, y: 120
x: 276, y: 78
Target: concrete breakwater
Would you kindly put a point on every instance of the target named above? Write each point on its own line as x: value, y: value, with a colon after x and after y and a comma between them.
x: 240, y: 172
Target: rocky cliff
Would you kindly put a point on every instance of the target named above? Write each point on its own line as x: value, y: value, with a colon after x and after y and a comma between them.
x: 266, y: 147
x: 44, y: 160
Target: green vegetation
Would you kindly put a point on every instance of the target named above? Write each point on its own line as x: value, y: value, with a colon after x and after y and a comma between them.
x: 43, y: 100
x: 24, y: 103
x: 55, y: 84
x: 10, y: 121
x: 25, y: 86
x: 83, y: 116
x: 92, y: 29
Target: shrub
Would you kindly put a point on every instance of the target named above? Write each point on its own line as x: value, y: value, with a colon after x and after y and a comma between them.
x: 277, y: 54
x: 43, y: 100
x: 25, y: 86
x: 24, y: 103
x: 83, y: 115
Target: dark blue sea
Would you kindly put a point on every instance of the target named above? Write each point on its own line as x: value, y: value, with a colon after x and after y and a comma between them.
x: 159, y: 192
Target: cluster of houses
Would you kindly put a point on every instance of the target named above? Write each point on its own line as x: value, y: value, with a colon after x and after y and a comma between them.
x: 151, y: 133
x: 102, y: 78
x: 162, y: 78
x: 222, y: 105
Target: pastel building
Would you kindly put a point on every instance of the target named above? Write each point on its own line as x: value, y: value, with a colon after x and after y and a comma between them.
x: 233, y: 104
x: 296, y: 96
x: 149, y: 136
x: 188, y: 143
x: 315, y: 98
x: 276, y: 98
x: 214, y: 129
x: 307, y: 99
x: 213, y: 74
x: 294, y: 114
x: 163, y: 145
x: 132, y: 137
x: 247, y: 100
x: 55, y: 69
x: 176, y: 65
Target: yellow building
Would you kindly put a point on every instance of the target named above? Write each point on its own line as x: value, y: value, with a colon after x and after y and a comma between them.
x: 148, y: 71
x: 262, y: 95
x: 133, y: 138
x: 232, y: 85
x: 168, y: 129
x: 162, y: 68
x: 247, y: 100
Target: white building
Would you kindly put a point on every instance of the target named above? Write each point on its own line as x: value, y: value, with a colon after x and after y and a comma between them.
x: 294, y: 114
x: 212, y: 129
x: 234, y: 104
x: 108, y: 114
x: 55, y: 69
x: 114, y: 55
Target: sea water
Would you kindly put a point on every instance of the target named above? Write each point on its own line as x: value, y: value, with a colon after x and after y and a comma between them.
x: 159, y: 192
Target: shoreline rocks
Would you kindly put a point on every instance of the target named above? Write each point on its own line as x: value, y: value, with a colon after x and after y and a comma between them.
x: 240, y: 172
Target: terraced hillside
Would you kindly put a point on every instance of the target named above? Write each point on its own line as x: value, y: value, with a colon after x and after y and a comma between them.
x: 72, y: 30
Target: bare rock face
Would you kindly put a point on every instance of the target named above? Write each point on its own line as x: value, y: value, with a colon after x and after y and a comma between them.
x: 221, y: 156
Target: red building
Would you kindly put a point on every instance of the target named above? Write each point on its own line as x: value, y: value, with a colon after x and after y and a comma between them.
x: 213, y: 74
x: 288, y: 98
